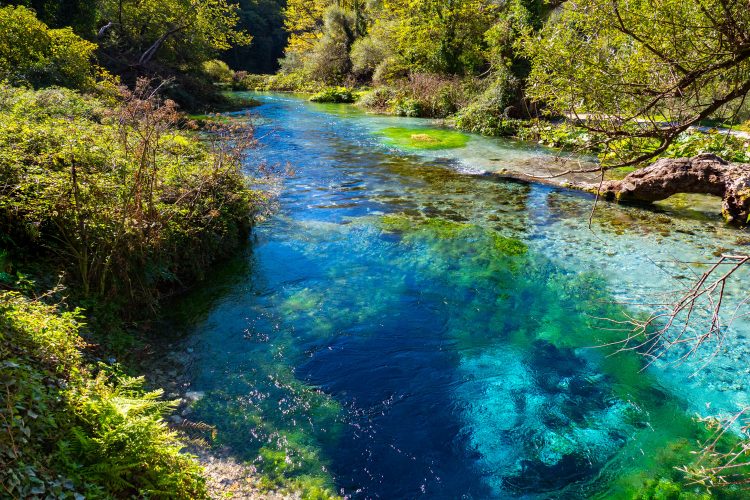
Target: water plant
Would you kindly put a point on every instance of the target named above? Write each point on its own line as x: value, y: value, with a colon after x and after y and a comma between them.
x: 424, y: 138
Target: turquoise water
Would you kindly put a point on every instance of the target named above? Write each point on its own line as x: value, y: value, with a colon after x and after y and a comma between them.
x: 401, y: 328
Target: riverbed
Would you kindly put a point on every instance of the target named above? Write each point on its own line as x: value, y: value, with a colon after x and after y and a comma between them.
x: 407, y: 326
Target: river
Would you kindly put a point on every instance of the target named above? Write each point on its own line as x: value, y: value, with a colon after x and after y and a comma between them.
x: 403, y: 327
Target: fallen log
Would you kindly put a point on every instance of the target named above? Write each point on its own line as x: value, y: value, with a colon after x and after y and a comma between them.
x: 703, y: 174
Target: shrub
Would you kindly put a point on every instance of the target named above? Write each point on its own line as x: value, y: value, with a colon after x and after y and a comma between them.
x: 389, y: 71
x: 486, y: 121
x: 298, y: 81
x: 124, y: 202
x: 378, y: 99
x: 31, y: 53
x: 218, y: 71
x: 329, y: 61
x: 408, y: 107
x: 729, y: 147
x: 367, y: 54
x: 66, y: 431
x: 253, y: 82
x: 334, y: 94
x: 493, y: 112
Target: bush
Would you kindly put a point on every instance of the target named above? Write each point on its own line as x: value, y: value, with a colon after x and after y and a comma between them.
x: 31, y: 53
x: 218, y: 71
x: 65, y: 430
x: 405, y: 106
x: 493, y: 113
x: 329, y: 61
x: 729, y: 147
x: 389, y: 71
x: 367, y: 54
x: 334, y: 94
x: 159, y: 205
x: 378, y: 99
x: 253, y: 82
x: 291, y: 82
x: 484, y: 120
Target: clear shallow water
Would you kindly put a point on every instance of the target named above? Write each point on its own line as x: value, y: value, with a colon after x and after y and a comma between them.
x: 401, y: 329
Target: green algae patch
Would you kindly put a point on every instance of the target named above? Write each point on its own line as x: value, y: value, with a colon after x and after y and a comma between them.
x: 445, y: 229
x: 508, y: 246
x: 424, y: 138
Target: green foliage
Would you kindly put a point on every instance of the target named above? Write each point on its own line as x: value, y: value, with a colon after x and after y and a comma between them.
x: 65, y: 430
x: 493, y: 111
x: 444, y: 37
x: 174, y: 34
x: 415, y: 47
x: 729, y: 147
x: 379, y: 99
x: 33, y: 54
x: 368, y: 54
x: 334, y: 94
x: 406, y: 106
x: 218, y: 71
x: 123, y: 201
x: 633, y: 75
x: 691, y: 143
x: 423, y: 138
x: 264, y: 19
x: 76, y: 14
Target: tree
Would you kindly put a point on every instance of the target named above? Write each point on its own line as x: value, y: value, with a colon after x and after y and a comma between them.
x: 172, y: 33
x: 265, y: 20
x: 77, y: 14
x: 442, y: 36
x: 642, y: 72
x: 31, y: 53
x: 303, y: 20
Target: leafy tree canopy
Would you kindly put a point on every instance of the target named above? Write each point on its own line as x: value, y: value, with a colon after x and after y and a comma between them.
x: 31, y: 53
x: 174, y: 33
x: 644, y: 70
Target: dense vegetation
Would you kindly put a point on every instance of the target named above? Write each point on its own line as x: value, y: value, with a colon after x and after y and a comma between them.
x: 163, y: 40
x: 109, y: 200
x: 631, y: 84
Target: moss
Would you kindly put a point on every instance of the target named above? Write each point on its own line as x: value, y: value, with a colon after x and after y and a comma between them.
x: 440, y: 228
x: 508, y: 246
x: 424, y: 138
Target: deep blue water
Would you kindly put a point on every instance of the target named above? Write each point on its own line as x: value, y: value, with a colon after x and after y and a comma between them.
x: 400, y: 329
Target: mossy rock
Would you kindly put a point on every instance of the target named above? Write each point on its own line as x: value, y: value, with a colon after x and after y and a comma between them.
x: 424, y: 138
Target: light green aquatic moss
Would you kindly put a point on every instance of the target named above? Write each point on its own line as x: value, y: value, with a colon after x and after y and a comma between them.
x: 424, y: 138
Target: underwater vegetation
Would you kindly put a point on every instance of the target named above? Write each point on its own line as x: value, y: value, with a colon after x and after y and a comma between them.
x: 447, y: 229
x: 581, y: 409
x: 424, y: 138
x: 404, y: 330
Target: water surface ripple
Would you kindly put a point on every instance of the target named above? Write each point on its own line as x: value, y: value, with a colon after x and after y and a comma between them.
x: 402, y: 329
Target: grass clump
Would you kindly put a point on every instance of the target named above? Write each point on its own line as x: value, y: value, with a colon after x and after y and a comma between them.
x: 68, y: 427
x: 424, y: 138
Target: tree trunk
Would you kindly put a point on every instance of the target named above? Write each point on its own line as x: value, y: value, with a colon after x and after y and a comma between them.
x: 705, y: 174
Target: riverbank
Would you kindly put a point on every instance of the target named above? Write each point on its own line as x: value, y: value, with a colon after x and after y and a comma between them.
x: 107, y: 208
